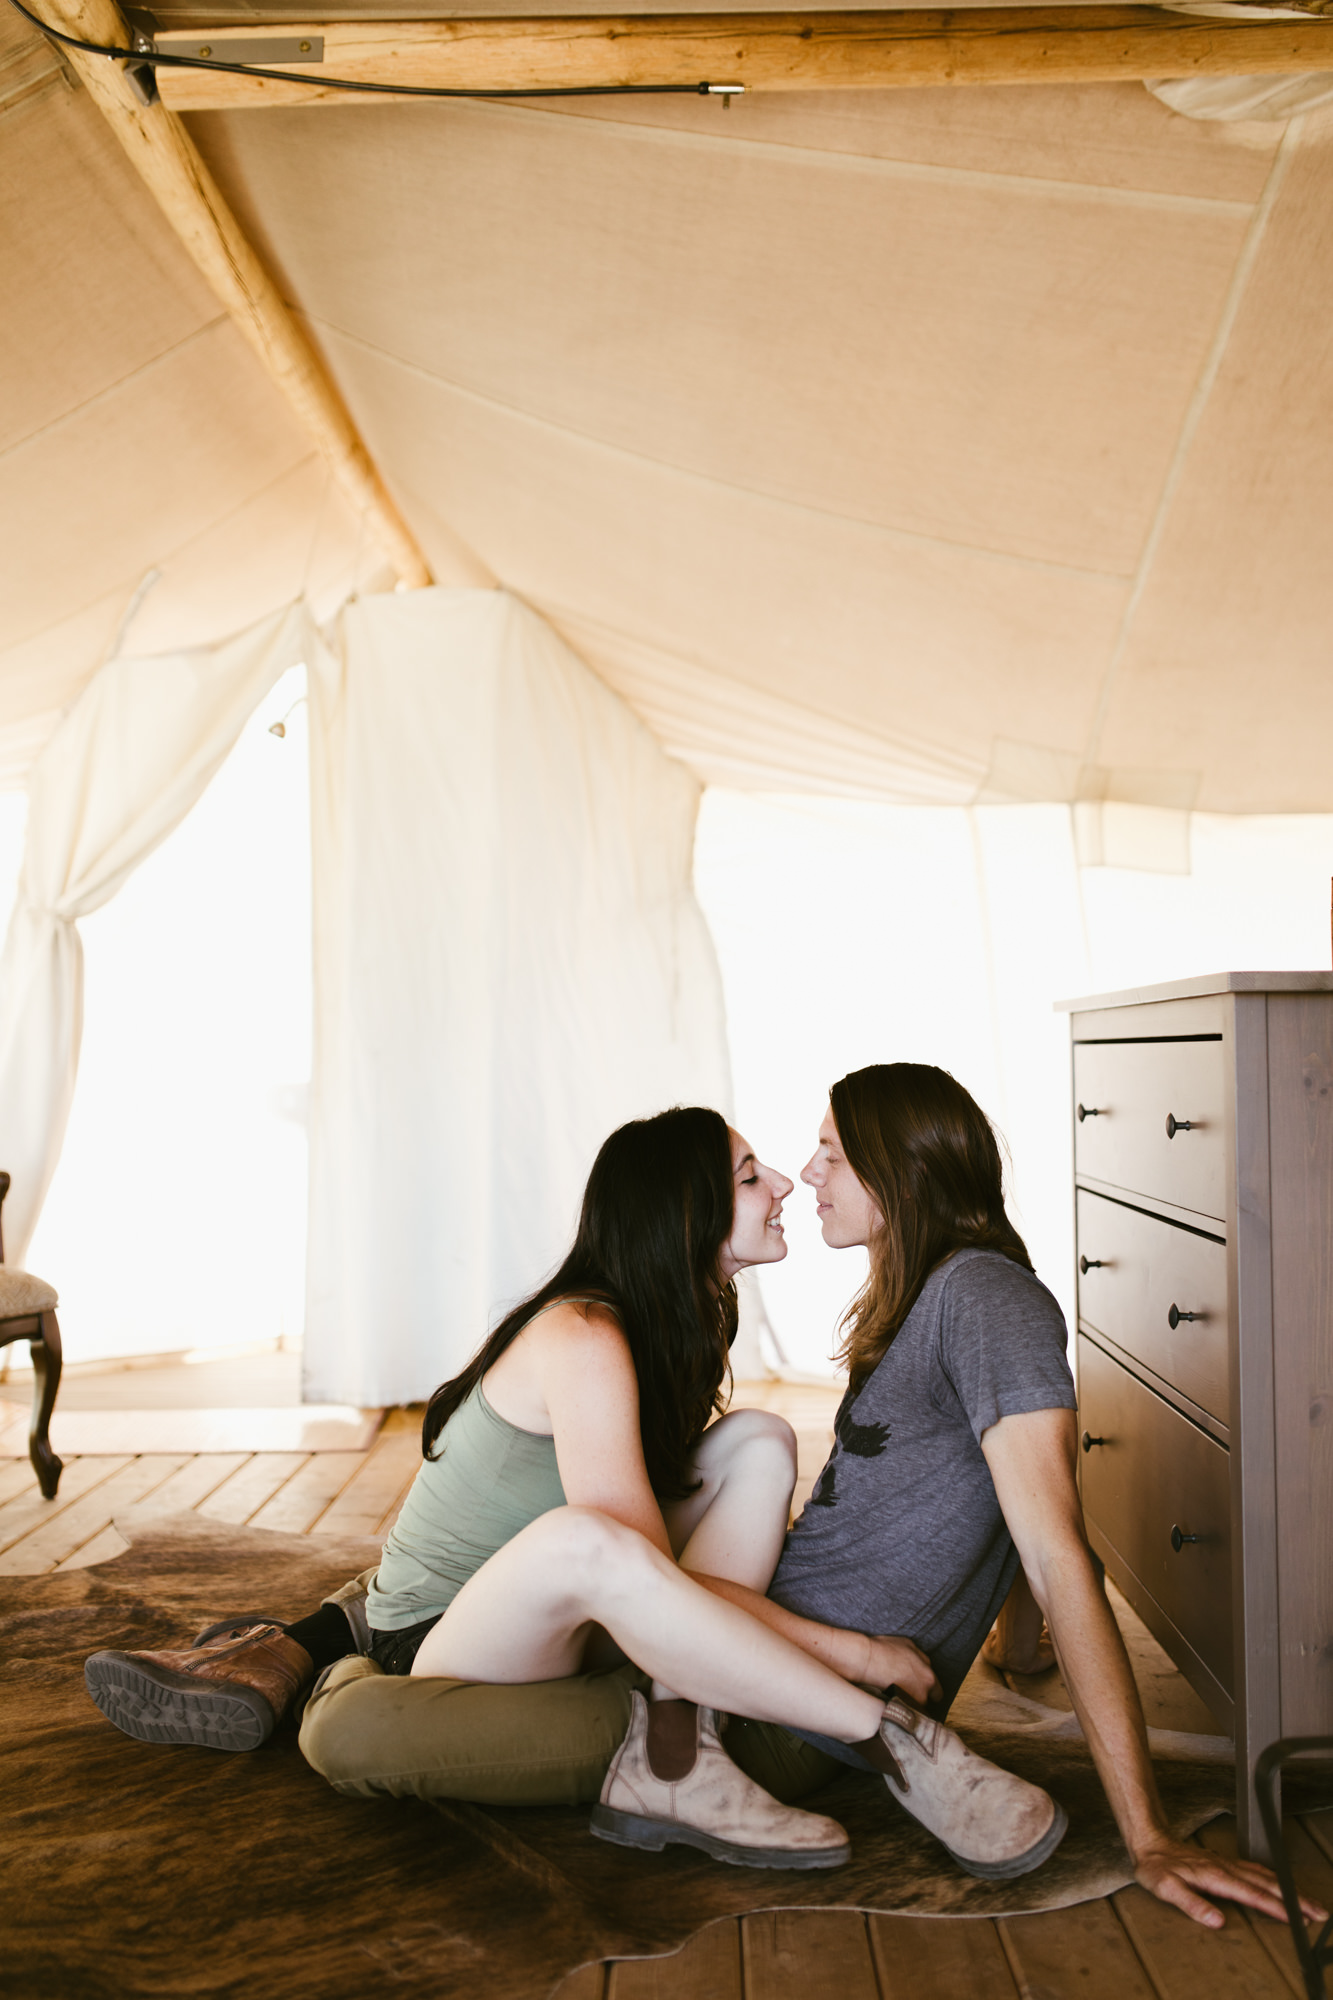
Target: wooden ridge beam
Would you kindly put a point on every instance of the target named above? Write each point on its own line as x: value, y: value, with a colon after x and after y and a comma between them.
x: 167, y: 160
x: 763, y: 52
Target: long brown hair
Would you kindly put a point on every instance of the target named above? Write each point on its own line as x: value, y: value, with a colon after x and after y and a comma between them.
x: 656, y: 1212
x: 926, y: 1151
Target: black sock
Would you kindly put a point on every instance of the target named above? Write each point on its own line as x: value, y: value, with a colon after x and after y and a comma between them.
x: 326, y: 1635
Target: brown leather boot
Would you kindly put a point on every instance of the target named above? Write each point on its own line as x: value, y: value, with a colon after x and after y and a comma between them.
x: 228, y: 1694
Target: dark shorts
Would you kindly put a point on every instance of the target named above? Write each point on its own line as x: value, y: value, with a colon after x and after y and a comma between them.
x: 394, y: 1652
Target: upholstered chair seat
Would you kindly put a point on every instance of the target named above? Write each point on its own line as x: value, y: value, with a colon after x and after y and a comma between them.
x: 21, y: 1293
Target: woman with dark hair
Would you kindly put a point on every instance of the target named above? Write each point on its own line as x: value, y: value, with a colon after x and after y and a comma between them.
x: 955, y: 1445
x: 575, y: 1506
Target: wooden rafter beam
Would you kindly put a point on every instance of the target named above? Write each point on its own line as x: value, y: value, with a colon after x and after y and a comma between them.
x: 166, y: 159
x: 763, y: 52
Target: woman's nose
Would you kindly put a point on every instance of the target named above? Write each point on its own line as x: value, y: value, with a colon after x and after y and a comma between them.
x: 810, y: 1172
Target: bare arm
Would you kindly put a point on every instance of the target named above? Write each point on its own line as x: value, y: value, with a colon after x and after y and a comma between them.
x: 586, y: 1376
x: 870, y: 1662
x: 1032, y: 1460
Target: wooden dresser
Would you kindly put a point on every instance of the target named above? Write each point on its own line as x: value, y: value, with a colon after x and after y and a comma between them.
x: 1203, y: 1170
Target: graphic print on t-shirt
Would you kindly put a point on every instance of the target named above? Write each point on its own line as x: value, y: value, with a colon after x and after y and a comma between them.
x: 860, y: 1440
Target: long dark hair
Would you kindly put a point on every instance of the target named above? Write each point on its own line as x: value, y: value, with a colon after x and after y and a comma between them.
x: 926, y: 1151
x: 656, y: 1212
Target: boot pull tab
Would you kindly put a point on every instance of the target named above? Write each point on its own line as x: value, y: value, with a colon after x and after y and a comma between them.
x: 901, y: 1712
x: 878, y: 1755
x: 672, y: 1740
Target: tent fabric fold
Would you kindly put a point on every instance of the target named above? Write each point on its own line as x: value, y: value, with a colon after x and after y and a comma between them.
x: 509, y: 962
x: 753, y: 739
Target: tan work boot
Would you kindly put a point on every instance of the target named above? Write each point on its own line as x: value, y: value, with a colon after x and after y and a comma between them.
x: 227, y: 1694
x: 994, y: 1824
x: 712, y: 1806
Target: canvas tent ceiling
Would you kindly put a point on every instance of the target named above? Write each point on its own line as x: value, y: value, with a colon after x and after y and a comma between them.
x: 926, y: 445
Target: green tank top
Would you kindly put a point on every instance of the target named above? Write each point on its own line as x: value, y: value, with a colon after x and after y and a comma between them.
x: 487, y: 1481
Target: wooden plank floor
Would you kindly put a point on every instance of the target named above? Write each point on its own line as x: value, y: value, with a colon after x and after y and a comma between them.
x: 1126, y: 1947
x: 302, y: 1493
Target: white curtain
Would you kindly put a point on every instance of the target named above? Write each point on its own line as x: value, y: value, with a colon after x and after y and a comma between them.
x: 509, y: 961
x: 871, y: 933
x: 123, y: 768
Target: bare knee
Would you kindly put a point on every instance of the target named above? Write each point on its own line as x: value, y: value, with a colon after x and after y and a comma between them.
x: 761, y: 1443
x: 597, y: 1552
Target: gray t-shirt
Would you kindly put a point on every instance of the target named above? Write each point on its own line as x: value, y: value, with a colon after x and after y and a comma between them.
x: 903, y: 1532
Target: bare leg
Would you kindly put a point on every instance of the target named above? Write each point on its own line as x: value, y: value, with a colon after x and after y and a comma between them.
x: 735, y: 1524
x: 526, y: 1613
x: 731, y: 1531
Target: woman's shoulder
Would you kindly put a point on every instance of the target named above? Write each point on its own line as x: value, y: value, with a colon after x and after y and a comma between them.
x: 589, y: 1327
x: 579, y: 1308
x: 981, y: 1279
x: 976, y: 1264
x: 566, y: 1342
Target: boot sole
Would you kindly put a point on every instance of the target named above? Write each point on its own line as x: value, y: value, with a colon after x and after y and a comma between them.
x: 1022, y: 1864
x: 158, y: 1705
x: 629, y: 1830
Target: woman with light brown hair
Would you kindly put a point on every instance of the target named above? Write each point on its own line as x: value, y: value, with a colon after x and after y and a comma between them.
x: 952, y: 1472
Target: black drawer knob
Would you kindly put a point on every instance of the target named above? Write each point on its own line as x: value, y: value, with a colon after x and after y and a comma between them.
x: 1089, y: 1441
x: 1089, y: 1111
x: 1086, y: 1264
x: 1174, y: 1125
x: 1175, y: 1316
x: 1178, y: 1540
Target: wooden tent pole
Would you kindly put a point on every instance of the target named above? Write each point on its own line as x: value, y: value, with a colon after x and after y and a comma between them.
x: 763, y: 52
x: 166, y: 159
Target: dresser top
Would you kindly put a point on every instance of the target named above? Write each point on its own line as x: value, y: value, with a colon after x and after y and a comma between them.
x: 1194, y: 989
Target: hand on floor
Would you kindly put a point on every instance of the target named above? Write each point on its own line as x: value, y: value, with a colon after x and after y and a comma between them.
x: 1177, y: 1873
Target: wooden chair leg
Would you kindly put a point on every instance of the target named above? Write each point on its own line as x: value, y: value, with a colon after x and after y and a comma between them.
x: 46, y: 1365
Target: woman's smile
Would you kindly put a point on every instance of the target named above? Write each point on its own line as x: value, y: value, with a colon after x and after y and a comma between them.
x: 757, y: 1235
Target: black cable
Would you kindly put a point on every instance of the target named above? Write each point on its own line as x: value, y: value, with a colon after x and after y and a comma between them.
x: 155, y: 60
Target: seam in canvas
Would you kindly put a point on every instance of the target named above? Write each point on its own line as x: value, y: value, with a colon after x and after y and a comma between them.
x: 1115, y: 578
x: 975, y: 177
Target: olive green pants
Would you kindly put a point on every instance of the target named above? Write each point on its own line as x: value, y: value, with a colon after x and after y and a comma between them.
x: 378, y: 1735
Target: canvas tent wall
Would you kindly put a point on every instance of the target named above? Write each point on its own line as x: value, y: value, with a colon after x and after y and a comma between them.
x: 922, y: 447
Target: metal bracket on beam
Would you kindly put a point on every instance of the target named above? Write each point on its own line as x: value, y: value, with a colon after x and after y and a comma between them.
x: 264, y: 51
x: 141, y: 76
x: 293, y: 51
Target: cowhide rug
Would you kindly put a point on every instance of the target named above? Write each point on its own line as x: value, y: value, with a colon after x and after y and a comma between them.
x: 131, y: 1870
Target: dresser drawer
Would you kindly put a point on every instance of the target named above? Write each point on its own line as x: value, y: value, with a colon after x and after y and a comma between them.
x: 1127, y: 1092
x: 1135, y: 1274
x: 1150, y: 1472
